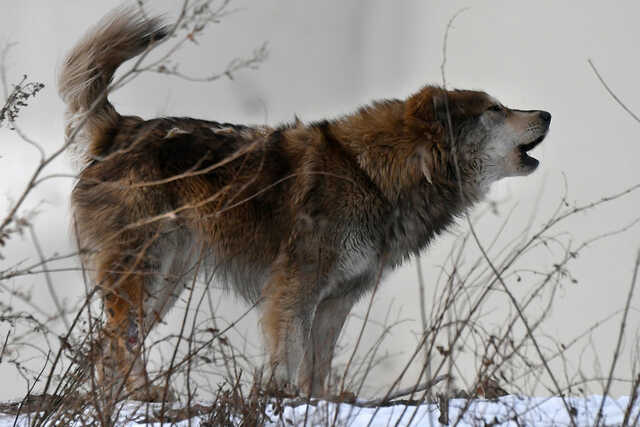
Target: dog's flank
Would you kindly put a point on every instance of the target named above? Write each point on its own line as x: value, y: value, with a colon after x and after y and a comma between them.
x: 302, y: 218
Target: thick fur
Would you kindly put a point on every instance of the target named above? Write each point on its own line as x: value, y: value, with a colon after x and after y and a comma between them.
x: 302, y: 219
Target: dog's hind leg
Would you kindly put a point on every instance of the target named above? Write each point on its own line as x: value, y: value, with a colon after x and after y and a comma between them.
x: 119, y: 364
x: 124, y: 279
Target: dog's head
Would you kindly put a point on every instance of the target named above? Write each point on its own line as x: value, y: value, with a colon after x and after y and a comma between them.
x: 478, y: 138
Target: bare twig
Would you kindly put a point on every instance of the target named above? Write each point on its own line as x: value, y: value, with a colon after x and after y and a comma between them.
x: 48, y: 279
x: 621, y: 329
x: 404, y: 392
x: 613, y: 95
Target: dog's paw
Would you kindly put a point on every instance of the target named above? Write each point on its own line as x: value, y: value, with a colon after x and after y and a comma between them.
x: 153, y: 393
x: 285, y: 390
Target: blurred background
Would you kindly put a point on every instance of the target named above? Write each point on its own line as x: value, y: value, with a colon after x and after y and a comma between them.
x: 327, y: 58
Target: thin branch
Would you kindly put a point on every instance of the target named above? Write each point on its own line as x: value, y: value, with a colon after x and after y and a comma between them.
x: 616, y: 353
x: 252, y: 62
x: 613, y: 95
x: 48, y: 279
x: 404, y: 392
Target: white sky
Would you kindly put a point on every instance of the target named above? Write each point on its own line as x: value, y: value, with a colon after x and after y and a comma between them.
x: 327, y: 58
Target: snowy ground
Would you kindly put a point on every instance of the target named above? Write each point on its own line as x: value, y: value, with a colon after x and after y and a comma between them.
x: 506, y: 411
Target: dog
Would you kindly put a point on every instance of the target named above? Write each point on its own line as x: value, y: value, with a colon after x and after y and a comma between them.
x: 300, y: 219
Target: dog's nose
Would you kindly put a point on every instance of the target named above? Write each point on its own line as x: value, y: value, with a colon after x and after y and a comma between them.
x: 545, y: 116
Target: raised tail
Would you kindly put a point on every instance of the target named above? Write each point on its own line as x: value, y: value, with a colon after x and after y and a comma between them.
x: 89, y: 68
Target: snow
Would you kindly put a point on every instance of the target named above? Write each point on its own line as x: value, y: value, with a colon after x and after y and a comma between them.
x: 506, y: 411
x: 528, y: 411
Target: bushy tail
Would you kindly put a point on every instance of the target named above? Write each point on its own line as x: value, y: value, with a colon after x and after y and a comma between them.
x: 89, y: 68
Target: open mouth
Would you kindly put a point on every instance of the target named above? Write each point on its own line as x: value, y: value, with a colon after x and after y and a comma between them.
x: 526, y: 159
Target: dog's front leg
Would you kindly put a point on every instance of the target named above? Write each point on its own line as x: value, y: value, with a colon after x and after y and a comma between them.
x: 330, y: 316
x: 288, y: 310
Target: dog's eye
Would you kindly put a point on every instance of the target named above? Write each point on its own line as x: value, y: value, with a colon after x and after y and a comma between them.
x: 495, y: 107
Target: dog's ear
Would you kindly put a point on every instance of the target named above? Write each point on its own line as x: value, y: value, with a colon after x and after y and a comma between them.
x: 425, y: 114
x: 425, y: 119
x: 428, y: 105
x: 433, y: 104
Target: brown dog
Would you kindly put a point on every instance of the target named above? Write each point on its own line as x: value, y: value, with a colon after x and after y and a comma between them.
x: 302, y: 218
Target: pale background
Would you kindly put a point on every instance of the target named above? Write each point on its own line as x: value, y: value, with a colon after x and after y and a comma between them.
x: 329, y: 57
